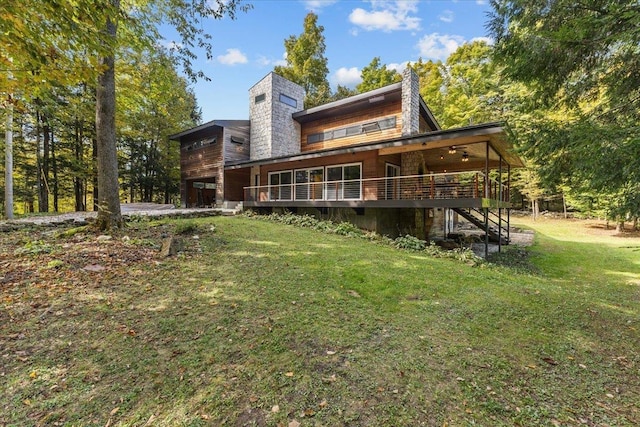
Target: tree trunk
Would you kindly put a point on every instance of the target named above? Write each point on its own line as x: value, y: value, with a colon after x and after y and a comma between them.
x: 78, y: 187
x: 54, y: 168
x: 8, y: 164
x: 564, y: 206
x: 109, y: 214
x: 94, y: 175
x: 620, y: 226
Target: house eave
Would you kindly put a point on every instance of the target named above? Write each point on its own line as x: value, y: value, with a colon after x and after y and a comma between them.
x: 207, y: 125
x: 490, y: 132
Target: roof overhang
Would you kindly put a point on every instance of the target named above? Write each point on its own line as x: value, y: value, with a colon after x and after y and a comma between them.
x: 209, y: 125
x: 390, y: 93
x: 491, y: 133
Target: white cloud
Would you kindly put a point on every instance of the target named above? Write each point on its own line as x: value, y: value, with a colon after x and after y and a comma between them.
x: 232, y: 57
x: 263, y: 61
x: 481, y: 2
x: 446, y: 16
x: 317, y: 5
x: 398, y: 67
x: 349, y: 77
x: 387, y: 16
x: 439, y: 46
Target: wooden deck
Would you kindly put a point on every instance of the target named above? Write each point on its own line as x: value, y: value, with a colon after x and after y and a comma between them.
x: 452, y: 190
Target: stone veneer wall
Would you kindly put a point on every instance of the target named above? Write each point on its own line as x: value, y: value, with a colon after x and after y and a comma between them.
x: 410, y: 102
x: 273, y: 131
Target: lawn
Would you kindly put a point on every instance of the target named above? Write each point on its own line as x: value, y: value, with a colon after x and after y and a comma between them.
x: 262, y: 324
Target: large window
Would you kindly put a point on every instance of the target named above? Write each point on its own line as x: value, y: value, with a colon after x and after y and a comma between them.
x: 309, y: 184
x: 280, y: 185
x: 382, y: 124
x: 344, y: 182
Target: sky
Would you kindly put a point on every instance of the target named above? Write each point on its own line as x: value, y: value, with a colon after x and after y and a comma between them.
x: 247, y: 49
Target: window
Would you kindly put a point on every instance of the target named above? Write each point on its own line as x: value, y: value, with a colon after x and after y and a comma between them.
x: 309, y: 184
x: 392, y: 186
x: 237, y: 140
x: 348, y: 182
x: 280, y: 185
x: 382, y: 124
x: 199, y: 144
x: 288, y: 100
x: 259, y: 98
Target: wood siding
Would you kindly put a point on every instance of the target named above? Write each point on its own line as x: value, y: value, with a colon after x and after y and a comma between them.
x: 234, y: 151
x: 377, y: 112
x: 200, y: 163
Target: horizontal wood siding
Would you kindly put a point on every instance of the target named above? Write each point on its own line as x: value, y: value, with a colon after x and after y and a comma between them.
x: 205, y: 162
x: 234, y: 183
x: 234, y: 151
x: 376, y: 112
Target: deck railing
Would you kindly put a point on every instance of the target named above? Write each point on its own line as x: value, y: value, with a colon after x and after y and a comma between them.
x: 457, y: 185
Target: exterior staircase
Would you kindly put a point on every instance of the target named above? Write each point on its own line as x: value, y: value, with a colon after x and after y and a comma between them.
x: 497, y: 232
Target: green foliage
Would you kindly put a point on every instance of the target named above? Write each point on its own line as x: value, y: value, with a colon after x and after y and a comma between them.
x: 406, y: 242
x: 376, y: 75
x: 409, y: 242
x: 582, y: 129
x: 34, y: 247
x: 306, y: 63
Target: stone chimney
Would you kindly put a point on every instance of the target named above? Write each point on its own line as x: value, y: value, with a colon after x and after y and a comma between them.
x: 410, y: 102
x: 274, y: 133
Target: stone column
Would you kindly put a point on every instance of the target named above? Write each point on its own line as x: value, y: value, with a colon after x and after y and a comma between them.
x: 410, y: 102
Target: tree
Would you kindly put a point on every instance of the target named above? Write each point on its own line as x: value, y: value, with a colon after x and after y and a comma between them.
x: 578, y: 57
x: 343, y: 92
x: 77, y: 41
x: 432, y: 87
x: 306, y: 63
x: 376, y: 75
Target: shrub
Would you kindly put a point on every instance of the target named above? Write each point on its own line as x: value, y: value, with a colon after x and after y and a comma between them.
x: 410, y: 243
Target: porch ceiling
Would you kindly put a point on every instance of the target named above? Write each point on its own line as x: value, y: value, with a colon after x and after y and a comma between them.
x: 438, y: 158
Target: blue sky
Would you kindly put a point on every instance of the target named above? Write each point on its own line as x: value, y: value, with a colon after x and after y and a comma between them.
x: 246, y: 49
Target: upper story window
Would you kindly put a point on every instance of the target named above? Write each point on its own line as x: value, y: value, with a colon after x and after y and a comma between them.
x: 288, y: 100
x: 260, y: 98
x: 382, y: 124
x: 199, y: 144
x: 237, y: 140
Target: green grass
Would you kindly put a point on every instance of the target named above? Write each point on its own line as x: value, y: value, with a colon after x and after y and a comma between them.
x: 262, y: 324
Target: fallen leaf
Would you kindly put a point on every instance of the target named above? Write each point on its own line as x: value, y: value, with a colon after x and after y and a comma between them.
x: 308, y: 413
x: 294, y: 423
x: 610, y: 396
x: 550, y: 361
x: 151, y: 419
x: 275, y: 409
x: 288, y: 374
x: 33, y: 374
x: 94, y: 268
x: 353, y: 293
x: 114, y: 410
x: 323, y: 403
x: 330, y: 379
x: 330, y: 352
x: 582, y: 366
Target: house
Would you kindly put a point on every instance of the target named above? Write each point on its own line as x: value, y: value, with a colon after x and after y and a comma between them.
x: 377, y: 159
